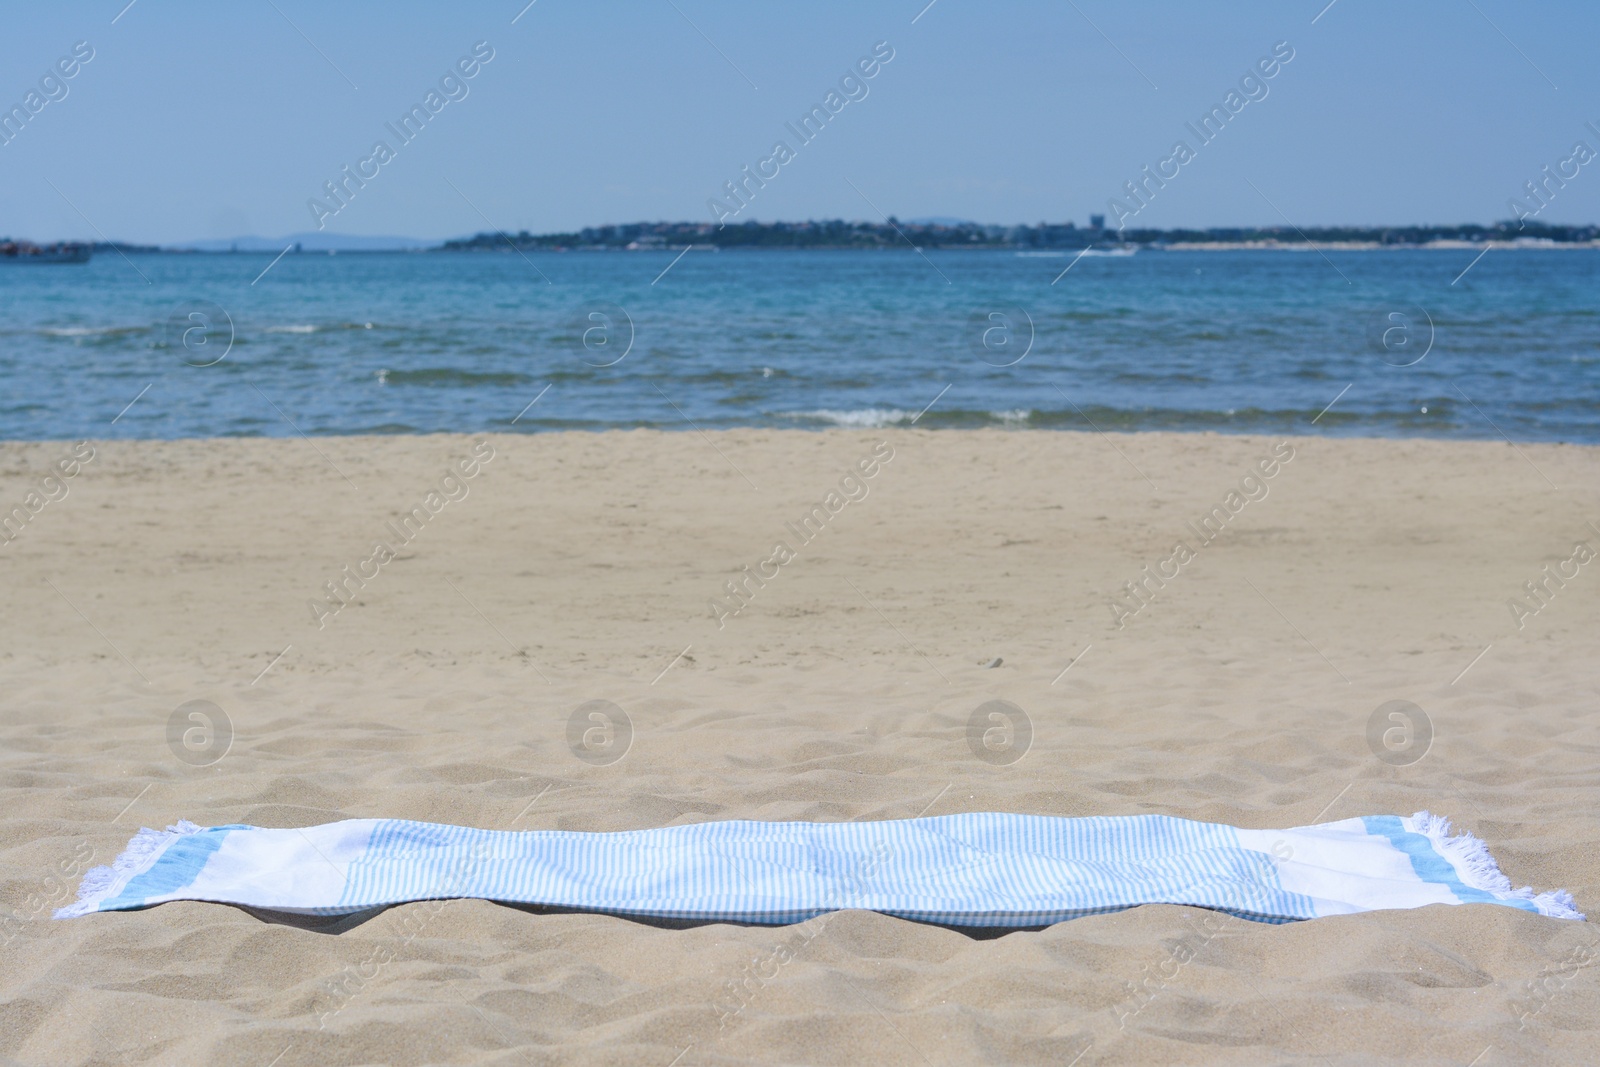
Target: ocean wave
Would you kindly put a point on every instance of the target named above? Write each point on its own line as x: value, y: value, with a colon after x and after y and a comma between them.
x: 309, y: 327
x: 879, y: 418
x: 91, y: 331
x: 448, y: 377
x: 859, y: 419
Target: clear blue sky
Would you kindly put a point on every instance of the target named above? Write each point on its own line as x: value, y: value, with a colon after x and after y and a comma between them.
x: 198, y: 120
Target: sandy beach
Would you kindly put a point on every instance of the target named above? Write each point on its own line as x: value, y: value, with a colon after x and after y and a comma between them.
x: 967, y: 566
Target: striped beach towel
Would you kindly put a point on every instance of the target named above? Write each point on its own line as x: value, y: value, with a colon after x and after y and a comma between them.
x: 979, y: 869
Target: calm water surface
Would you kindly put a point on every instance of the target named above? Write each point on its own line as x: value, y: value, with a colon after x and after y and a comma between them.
x: 415, y: 343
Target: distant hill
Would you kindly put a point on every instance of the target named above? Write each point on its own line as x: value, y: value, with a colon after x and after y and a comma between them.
x: 314, y: 241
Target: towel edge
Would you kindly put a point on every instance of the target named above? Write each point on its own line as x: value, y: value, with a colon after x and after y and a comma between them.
x: 103, y: 883
x: 1476, y: 865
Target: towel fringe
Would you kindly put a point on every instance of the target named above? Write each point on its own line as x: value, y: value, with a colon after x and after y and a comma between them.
x: 102, y: 883
x: 1472, y: 860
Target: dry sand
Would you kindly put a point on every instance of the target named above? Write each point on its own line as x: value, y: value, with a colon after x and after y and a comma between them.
x: 581, y: 567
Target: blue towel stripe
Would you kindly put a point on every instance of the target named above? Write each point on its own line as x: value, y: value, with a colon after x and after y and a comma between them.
x: 180, y: 863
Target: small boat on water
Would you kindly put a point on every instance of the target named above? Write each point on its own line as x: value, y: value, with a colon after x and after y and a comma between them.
x: 60, y: 252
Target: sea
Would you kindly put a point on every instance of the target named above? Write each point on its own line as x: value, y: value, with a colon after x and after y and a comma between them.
x: 1449, y: 343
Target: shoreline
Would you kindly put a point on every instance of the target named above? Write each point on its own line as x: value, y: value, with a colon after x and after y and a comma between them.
x: 1000, y: 426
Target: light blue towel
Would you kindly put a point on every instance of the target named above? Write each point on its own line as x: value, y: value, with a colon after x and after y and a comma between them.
x: 980, y: 869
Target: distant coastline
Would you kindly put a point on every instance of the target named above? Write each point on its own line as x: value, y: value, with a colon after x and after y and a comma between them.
x: 1064, y: 237
x: 1048, y: 238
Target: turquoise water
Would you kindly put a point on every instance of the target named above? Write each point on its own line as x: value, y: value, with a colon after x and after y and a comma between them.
x: 1257, y: 342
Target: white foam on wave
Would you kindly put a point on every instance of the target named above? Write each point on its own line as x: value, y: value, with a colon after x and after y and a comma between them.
x: 307, y: 327
x: 877, y: 418
x: 87, y: 331
x: 860, y: 419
